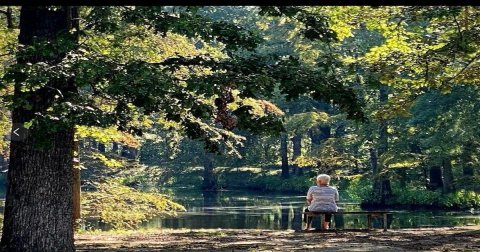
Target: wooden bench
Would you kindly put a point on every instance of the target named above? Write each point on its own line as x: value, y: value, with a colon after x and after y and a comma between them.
x: 370, y: 216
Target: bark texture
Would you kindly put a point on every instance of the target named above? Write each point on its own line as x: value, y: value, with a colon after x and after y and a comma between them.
x: 39, y: 207
x: 436, y: 181
x: 297, y: 151
x: 381, y: 187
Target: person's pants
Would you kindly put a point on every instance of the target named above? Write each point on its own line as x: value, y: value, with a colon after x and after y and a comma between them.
x: 308, y: 220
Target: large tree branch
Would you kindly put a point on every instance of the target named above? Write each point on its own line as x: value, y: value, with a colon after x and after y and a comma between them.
x: 469, y: 63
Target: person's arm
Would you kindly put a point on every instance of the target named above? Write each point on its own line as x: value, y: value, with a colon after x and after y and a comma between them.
x: 309, y: 201
x: 309, y: 197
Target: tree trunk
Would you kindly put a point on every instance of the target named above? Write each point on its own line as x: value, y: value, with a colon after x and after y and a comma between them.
x: 2, y: 163
x: 8, y: 15
x: 377, y: 186
x: 209, y: 180
x: 297, y: 146
x: 468, y: 170
x: 386, y: 190
x: 124, y: 151
x: 115, y: 147
x: 415, y: 148
x: 374, y: 161
x: 101, y: 147
x: 285, y: 214
x: 93, y: 145
x: 403, y: 177
x: 436, y: 180
x: 448, y: 185
x: 129, y: 152
x: 340, y: 131
x: 133, y: 152
x: 76, y: 181
x: 297, y: 151
x: 320, y: 134
x: 382, y: 188
x: 468, y: 153
x: 383, y: 127
x: 284, y: 154
x: 383, y: 145
x: 39, y: 206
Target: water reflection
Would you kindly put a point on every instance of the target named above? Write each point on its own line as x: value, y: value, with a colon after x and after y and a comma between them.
x: 246, y: 209
x: 256, y: 210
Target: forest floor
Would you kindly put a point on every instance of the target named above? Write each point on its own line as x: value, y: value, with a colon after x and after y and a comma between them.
x: 420, y: 239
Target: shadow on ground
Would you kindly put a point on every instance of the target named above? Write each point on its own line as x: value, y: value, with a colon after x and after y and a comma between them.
x: 425, y: 239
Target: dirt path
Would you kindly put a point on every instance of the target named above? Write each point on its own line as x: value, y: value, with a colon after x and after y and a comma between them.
x: 425, y: 239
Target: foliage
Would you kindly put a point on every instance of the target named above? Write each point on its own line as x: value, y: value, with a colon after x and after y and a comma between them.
x: 358, y: 187
x: 107, y: 135
x: 108, y: 162
x: 417, y: 197
x: 263, y: 116
x: 446, y: 129
x: 424, y: 55
x: 300, y: 123
x: 150, y: 77
x: 461, y: 199
x: 305, y: 161
x: 8, y: 46
x: 141, y: 76
x: 123, y: 207
x: 298, y: 184
x: 5, y: 126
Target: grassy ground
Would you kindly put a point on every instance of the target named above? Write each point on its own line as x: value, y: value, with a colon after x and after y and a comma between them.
x: 425, y: 239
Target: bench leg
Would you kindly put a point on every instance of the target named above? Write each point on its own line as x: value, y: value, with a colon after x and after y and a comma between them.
x: 322, y: 221
x: 384, y: 222
x: 307, y: 224
x: 304, y: 221
x: 369, y: 222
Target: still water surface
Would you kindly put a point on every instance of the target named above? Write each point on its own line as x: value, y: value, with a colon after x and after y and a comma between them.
x: 257, y: 210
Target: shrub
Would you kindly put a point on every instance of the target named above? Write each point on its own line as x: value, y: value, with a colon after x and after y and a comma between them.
x: 357, y: 187
x: 461, y: 199
x: 123, y: 207
x: 415, y: 196
x: 298, y: 184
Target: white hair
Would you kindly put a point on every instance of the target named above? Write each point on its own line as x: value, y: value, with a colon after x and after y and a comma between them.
x: 323, y: 178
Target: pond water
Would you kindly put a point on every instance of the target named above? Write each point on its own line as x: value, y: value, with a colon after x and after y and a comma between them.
x: 257, y: 210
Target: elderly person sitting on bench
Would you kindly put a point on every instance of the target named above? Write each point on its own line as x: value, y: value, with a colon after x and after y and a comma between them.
x: 322, y: 198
